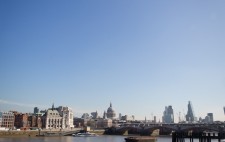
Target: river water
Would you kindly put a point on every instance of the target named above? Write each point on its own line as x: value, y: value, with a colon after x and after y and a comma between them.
x: 102, y: 138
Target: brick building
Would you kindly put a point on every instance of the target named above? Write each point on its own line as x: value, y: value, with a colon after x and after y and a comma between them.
x: 35, y: 121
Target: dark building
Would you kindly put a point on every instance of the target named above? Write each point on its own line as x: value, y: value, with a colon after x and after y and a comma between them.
x: 35, y: 121
x: 36, y: 110
x: 21, y: 121
x: 190, y: 113
x: 210, y: 117
x: 80, y: 122
x: 94, y: 115
x: 224, y: 109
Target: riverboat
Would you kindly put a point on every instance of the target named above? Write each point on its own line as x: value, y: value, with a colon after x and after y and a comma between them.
x: 85, y: 134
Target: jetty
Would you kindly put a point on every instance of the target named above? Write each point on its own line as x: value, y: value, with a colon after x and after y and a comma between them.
x: 201, y: 136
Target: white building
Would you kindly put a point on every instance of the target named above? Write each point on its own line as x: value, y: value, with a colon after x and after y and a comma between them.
x: 7, y: 119
x: 128, y: 118
x: 58, y: 118
x: 67, y: 115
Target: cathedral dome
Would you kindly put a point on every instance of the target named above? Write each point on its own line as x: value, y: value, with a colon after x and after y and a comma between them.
x: 110, y: 112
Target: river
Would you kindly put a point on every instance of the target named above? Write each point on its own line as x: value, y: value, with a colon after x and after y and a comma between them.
x: 102, y: 138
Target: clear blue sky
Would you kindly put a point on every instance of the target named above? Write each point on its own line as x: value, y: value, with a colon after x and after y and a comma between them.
x: 140, y: 55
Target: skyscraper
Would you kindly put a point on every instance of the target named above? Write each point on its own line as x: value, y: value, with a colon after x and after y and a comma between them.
x: 36, y: 110
x: 190, y: 113
x: 210, y: 117
x: 224, y: 109
x: 168, y: 116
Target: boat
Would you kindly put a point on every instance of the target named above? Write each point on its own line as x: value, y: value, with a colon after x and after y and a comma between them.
x: 85, y: 134
x: 140, y: 139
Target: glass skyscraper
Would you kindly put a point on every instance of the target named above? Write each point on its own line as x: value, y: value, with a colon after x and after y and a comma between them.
x: 168, y: 116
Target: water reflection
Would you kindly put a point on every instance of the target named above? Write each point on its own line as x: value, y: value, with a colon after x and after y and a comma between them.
x: 81, y: 139
x: 65, y: 139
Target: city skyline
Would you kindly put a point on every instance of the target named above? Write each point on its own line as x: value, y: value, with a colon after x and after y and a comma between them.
x: 139, y: 55
x: 177, y: 116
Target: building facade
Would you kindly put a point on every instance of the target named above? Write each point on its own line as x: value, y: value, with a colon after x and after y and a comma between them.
x: 52, y: 119
x: 7, y: 119
x: 35, y: 121
x: 21, y: 121
x: 104, y: 123
x: 58, y: 118
x: 67, y: 116
x: 127, y: 118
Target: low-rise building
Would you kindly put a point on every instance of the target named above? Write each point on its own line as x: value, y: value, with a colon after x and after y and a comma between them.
x: 104, y: 123
x: 35, y: 121
x: 127, y: 118
x: 21, y: 121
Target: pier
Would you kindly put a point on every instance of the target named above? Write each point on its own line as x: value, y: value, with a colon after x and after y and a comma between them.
x: 201, y: 136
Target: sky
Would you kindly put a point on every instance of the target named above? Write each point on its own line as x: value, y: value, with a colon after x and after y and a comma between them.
x: 141, y: 55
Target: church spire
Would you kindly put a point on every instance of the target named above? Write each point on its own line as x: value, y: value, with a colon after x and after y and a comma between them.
x: 53, y: 106
x: 110, y: 104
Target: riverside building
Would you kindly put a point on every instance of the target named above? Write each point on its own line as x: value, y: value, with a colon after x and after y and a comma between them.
x: 7, y: 120
x: 58, y: 118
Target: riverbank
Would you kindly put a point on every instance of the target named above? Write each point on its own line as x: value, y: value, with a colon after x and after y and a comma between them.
x: 18, y: 133
x: 34, y: 133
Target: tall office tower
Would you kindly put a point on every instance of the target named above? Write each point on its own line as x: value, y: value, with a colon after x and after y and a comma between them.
x: 120, y: 116
x: 190, y: 113
x: 36, y: 110
x: 210, y: 117
x: 154, y: 119
x: 168, y: 116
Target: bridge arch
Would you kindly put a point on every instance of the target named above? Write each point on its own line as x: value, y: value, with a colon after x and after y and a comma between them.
x: 163, y: 130
x: 200, y: 129
x: 123, y: 130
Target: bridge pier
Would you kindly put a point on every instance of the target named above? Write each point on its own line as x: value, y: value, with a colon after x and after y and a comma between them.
x: 165, y: 131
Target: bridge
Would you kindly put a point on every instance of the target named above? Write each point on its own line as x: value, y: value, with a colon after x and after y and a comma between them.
x: 164, y: 128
